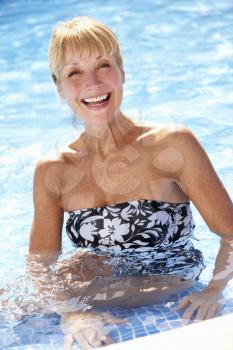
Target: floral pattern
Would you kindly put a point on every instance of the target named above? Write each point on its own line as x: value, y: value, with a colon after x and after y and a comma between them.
x: 142, y: 236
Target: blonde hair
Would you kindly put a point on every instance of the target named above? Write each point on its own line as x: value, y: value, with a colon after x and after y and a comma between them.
x: 84, y: 35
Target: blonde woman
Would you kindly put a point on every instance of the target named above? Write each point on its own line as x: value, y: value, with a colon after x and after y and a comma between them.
x: 127, y: 189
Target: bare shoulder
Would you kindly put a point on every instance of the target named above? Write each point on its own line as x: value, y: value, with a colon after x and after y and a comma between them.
x: 54, y: 174
x: 169, y: 146
x: 47, y: 165
x: 54, y: 164
x: 162, y: 134
x: 176, y: 136
x: 184, y: 136
x: 185, y: 141
x: 49, y: 174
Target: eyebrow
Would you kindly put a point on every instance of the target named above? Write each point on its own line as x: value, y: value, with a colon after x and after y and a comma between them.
x: 77, y: 62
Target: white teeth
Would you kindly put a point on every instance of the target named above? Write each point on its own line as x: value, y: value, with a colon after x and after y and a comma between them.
x: 95, y: 99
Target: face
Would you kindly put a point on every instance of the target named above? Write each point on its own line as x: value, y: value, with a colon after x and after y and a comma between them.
x: 92, y: 86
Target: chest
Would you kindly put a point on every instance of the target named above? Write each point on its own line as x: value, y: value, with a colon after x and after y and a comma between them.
x: 120, y: 177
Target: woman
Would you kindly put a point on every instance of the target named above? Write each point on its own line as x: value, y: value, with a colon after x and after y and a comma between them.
x: 126, y: 186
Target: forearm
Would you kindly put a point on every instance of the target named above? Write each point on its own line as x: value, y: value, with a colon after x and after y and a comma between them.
x: 67, y: 283
x: 134, y: 291
x: 87, y: 279
x: 223, y: 271
x: 47, y: 282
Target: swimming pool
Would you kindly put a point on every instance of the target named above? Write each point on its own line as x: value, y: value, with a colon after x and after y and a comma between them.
x: 178, y: 62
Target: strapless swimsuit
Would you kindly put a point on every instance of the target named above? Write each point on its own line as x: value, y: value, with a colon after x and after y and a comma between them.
x: 141, y: 236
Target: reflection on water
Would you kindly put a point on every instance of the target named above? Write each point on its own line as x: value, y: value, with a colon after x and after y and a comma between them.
x: 82, y: 289
x: 75, y: 288
x: 80, y: 282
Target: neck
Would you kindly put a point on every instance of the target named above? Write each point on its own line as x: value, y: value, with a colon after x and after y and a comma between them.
x: 104, y: 139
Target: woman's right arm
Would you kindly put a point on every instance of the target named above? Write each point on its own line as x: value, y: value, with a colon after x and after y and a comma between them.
x: 46, y: 231
x: 44, y: 248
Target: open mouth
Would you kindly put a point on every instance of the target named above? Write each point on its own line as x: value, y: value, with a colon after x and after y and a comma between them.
x: 97, y: 100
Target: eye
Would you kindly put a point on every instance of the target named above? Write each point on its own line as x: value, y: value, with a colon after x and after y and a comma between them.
x: 73, y: 73
x: 104, y: 65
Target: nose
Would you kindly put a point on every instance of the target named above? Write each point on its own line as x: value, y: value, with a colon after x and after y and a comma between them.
x: 93, y: 81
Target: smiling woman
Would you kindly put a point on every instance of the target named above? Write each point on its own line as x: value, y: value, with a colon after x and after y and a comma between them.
x: 92, y: 86
x: 91, y: 66
x: 127, y: 188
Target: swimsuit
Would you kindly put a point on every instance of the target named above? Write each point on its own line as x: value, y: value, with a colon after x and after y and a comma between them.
x: 141, y: 236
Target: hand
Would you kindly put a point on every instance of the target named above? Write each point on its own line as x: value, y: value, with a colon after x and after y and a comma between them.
x: 205, y: 304
x: 87, y: 328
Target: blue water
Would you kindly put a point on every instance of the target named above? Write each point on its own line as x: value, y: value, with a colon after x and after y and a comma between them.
x: 179, y: 69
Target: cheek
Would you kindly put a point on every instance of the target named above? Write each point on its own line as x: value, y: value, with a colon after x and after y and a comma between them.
x: 72, y: 91
x: 117, y: 83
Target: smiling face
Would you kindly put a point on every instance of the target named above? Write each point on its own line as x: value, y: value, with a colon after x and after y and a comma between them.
x: 91, y: 85
x: 87, y: 68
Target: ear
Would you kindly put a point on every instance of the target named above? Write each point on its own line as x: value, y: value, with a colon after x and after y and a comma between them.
x: 54, y: 78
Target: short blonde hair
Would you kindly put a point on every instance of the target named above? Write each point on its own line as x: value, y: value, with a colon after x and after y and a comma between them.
x: 84, y: 35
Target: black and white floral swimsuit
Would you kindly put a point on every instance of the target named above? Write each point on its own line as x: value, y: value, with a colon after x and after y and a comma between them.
x: 141, y: 236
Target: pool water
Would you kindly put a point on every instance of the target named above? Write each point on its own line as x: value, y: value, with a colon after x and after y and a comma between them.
x: 178, y: 62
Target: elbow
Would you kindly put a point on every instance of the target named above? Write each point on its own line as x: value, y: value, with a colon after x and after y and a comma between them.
x: 225, y: 232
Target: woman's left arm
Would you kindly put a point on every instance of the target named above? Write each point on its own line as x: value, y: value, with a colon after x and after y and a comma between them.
x: 198, y: 179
